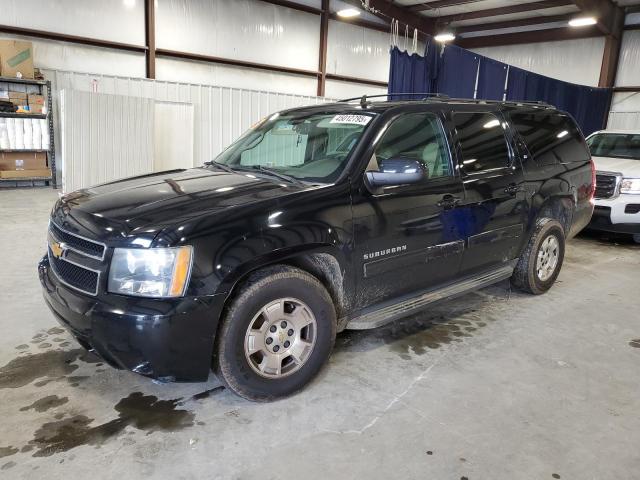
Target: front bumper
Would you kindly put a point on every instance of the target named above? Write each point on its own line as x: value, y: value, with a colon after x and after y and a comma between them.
x: 615, y: 215
x: 165, y: 339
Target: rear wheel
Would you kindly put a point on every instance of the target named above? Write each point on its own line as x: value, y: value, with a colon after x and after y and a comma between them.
x: 636, y: 238
x: 276, y: 335
x: 541, y: 261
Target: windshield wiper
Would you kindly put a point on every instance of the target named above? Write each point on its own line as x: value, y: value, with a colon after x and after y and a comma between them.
x: 282, y: 176
x: 221, y: 166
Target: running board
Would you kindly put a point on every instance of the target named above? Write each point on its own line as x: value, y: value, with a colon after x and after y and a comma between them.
x: 388, y: 312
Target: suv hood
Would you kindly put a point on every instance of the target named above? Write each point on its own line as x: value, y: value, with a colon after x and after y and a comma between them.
x: 148, y: 203
x: 628, y: 167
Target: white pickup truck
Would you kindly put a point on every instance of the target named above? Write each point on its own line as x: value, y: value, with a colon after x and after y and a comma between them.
x: 616, y: 155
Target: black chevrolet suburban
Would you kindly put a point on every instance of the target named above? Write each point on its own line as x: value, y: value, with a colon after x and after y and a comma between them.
x: 331, y: 217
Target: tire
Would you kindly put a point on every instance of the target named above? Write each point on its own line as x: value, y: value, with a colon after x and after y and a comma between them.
x: 533, y: 275
x: 268, y: 298
x: 636, y: 237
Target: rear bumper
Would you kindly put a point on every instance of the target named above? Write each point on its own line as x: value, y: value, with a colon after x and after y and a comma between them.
x: 169, y: 340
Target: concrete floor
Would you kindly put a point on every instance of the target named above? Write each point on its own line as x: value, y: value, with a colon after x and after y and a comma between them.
x: 495, y: 385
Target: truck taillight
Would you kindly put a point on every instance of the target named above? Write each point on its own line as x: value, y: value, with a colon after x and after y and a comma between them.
x: 592, y: 193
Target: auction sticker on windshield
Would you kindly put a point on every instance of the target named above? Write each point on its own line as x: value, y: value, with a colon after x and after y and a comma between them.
x: 352, y: 119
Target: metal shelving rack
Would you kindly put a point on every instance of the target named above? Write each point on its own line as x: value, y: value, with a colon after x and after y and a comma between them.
x: 51, y: 152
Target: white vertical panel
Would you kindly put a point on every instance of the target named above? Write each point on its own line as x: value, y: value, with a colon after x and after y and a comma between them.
x: 357, y: 51
x: 83, y: 58
x: 339, y: 89
x: 575, y: 61
x: 176, y: 70
x: 249, y: 30
x: 173, y: 136
x: 629, y: 64
x: 220, y: 114
x: 104, y: 137
x: 625, y: 111
x: 115, y: 20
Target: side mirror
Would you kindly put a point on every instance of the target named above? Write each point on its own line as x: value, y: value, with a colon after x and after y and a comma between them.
x: 395, y: 172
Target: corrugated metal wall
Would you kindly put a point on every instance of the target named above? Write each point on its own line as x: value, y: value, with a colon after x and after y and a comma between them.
x: 104, y: 137
x: 221, y: 114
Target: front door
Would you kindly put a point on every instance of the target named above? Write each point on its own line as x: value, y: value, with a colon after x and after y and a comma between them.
x: 494, y: 212
x: 406, y: 239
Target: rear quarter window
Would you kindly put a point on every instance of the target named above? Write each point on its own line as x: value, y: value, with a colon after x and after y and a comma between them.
x: 550, y: 137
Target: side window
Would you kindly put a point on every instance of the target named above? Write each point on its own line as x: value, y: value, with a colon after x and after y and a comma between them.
x: 417, y: 136
x: 484, y: 147
x: 550, y: 137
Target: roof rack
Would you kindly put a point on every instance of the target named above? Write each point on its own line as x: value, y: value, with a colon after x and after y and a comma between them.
x: 364, y: 99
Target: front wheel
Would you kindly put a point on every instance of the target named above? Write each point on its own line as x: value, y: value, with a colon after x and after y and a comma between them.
x: 540, y: 262
x: 276, y: 334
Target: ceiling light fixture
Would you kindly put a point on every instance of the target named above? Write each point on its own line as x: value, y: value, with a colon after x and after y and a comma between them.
x: 582, y: 21
x: 444, y: 37
x: 348, y: 13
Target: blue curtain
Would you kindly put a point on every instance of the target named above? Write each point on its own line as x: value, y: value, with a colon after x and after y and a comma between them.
x: 457, y: 74
x: 491, y: 79
x: 408, y: 74
x: 588, y: 105
x: 452, y: 71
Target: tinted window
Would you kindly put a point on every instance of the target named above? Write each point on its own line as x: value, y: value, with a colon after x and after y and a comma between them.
x: 417, y: 136
x: 312, y: 147
x: 550, y: 137
x: 484, y: 147
x: 617, y: 145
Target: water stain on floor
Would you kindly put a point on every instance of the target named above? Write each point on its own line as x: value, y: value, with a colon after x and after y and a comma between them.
x: 442, y: 324
x: 46, y: 403
x: 49, y: 366
x: 143, y: 412
x: 8, y: 451
x: 635, y: 343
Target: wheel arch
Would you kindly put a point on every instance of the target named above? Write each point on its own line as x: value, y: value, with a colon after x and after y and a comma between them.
x: 324, y: 262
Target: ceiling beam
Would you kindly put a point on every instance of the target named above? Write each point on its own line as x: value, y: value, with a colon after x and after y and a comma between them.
x: 550, y: 35
x: 387, y: 10
x: 605, y: 11
x: 440, y: 4
x: 492, y: 12
x: 611, y: 54
x: 523, y: 22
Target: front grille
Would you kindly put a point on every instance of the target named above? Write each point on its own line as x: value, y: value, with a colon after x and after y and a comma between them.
x: 74, y: 275
x: 79, y: 244
x: 606, y: 185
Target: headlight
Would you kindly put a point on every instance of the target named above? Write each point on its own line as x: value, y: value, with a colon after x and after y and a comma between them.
x: 152, y: 272
x: 630, y: 185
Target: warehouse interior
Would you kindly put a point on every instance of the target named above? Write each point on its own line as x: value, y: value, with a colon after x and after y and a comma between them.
x: 493, y: 383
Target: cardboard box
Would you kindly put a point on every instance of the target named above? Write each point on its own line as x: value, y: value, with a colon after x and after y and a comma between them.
x: 36, y: 99
x: 18, y: 96
x: 16, y: 57
x: 30, y: 160
x: 36, y: 109
x: 41, y: 172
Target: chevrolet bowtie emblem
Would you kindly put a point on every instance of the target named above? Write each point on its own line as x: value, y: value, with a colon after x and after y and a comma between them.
x: 56, y: 249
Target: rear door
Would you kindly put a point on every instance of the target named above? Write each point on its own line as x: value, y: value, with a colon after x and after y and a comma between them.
x: 495, y: 208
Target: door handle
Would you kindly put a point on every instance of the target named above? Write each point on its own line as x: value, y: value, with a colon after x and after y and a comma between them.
x: 449, y: 201
x: 512, y: 189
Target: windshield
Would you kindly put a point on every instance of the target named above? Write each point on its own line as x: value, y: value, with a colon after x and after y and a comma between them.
x: 307, y: 147
x: 617, y: 145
